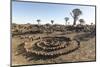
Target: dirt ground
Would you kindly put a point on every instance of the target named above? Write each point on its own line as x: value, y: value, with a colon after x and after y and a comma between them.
x: 86, y: 52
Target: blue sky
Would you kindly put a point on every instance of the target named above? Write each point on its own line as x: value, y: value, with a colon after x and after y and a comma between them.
x: 27, y: 12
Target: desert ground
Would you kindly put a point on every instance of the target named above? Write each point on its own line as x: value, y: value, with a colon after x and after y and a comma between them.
x: 28, y: 33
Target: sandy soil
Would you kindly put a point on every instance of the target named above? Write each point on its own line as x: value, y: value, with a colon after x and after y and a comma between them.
x: 86, y: 52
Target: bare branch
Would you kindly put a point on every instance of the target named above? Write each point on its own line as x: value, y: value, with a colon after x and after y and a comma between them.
x: 71, y: 14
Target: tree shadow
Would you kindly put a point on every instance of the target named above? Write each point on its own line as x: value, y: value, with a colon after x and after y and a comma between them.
x: 41, y: 57
x: 85, y: 36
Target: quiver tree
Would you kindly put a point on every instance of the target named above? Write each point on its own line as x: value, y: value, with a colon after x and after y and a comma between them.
x: 38, y: 20
x: 81, y: 21
x: 52, y: 21
x: 68, y: 23
x: 75, y: 14
x: 91, y: 23
x: 66, y: 19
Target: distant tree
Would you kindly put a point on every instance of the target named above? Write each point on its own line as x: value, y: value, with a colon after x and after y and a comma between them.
x: 81, y: 21
x: 68, y: 23
x: 75, y: 14
x: 47, y: 24
x: 66, y: 19
x: 38, y: 20
x: 28, y: 23
x: 52, y: 21
x: 91, y: 23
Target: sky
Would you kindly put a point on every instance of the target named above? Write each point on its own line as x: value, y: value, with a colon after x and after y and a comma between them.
x: 29, y: 12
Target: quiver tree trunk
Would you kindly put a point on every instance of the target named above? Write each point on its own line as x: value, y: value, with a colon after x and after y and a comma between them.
x: 75, y: 19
